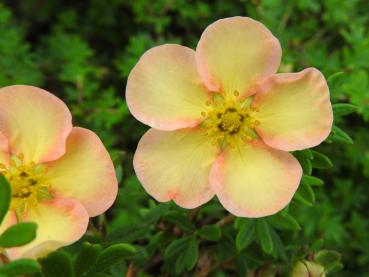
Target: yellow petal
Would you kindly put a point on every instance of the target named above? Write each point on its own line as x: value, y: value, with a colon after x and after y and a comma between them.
x: 164, y: 90
x: 60, y: 222
x: 85, y: 172
x: 253, y: 180
x: 234, y: 53
x: 175, y: 166
x: 294, y: 110
x: 35, y: 122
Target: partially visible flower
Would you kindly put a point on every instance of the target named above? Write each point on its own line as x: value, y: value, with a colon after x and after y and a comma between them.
x: 222, y: 120
x: 308, y: 269
x: 60, y: 175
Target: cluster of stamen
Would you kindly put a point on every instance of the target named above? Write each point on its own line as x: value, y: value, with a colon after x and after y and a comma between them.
x: 27, y: 183
x: 230, y: 121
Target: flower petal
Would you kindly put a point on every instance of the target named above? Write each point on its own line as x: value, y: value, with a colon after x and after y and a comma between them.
x: 35, y: 122
x: 175, y: 166
x: 62, y: 221
x: 234, y: 53
x: 295, y: 110
x: 86, y: 172
x: 4, y: 150
x: 9, y: 220
x: 253, y: 180
x: 164, y: 89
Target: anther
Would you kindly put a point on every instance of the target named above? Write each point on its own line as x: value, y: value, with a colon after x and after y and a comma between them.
x: 236, y: 93
x: 203, y: 114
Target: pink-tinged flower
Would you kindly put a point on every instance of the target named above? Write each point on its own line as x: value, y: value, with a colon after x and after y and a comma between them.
x: 60, y: 175
x: 222, y: 119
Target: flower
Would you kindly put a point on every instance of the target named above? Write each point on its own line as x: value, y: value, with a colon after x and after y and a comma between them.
x: 223, y: 121
x: 60, y: 175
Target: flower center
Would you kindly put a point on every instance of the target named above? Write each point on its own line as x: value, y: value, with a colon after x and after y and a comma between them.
x: 230, y: 121
x: 27, y: 183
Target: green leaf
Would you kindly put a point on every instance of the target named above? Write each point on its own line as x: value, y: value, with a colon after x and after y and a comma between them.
x: 279, y: 249
x: 245, y: 235
x: 321, y: 161
x: 18, y: 234
x: 20, y: 267
x: 112, y: 255
x: 210, y: 232
x: 86, y: 258
x: 176, y: 247
x: 57, y: 264
x: 264, y: 235
x: 305, y: 161
x: 180, y: 221
x: 5, y: 197
x: 312, y: 181
x: 284, y: 222
x: 328, y: 258
x: 188, y: 258
x: 305, y: 194
x: 128, y: 233
x: 156, y: 213
x: 338, y: 135
x: 333, y: 77
x: 342, y: 109
x: 240, y: 221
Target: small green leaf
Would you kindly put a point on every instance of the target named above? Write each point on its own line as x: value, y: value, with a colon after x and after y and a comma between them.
x: 328, y: 258
x: 264, y: 235
x: 312, y: 181
x: 112, y: 255
x: 188, y: 258
x: 210, y: 232
x: 284, y: 222
x: 279, y: 249
x: 304, y: 160
x: 18, y: 234
x: 333, y: 77
x: 342, y: 109
x: 86, y: 258
x: 245, y: 235
x: 57, y: 264
x: 20, y: 267
x: 5, y: 197
x: 176, y: 247
x: 321, y: 161
x: 338, y: 135
x: 156, y: 213
x: 240, y: 221
x: 305, y: 194
x: 180, y: 221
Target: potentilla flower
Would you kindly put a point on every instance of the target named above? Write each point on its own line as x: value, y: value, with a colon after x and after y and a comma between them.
x: 60, y: 175
x: 222, y: 120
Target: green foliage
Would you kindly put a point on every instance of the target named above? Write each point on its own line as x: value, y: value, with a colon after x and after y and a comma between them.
x: 20, y: 267
x: 83, y: 52
x: 18, y: 234
x: 5, y: 197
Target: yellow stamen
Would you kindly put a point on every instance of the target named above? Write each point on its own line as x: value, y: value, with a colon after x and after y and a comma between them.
x: 27, y: 182
x: 230, y: 121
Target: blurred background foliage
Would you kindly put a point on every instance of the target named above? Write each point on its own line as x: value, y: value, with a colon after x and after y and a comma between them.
x: 83, y: 51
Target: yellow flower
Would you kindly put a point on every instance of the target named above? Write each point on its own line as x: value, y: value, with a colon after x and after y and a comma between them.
x: 222, y: 119
x: 60, y: 175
